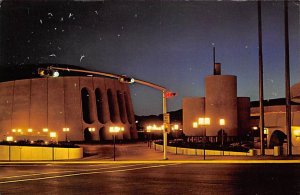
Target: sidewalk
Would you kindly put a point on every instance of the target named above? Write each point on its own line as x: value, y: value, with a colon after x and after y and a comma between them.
x: 141, y: 152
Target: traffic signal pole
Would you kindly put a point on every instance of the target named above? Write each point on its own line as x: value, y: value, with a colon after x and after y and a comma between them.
x: 165, y: 133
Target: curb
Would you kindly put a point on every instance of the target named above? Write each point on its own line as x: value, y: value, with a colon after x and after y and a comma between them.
x: 156, y: 162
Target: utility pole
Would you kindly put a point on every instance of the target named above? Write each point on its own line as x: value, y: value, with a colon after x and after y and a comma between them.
x: 261, y: 85
x: 287, y: 80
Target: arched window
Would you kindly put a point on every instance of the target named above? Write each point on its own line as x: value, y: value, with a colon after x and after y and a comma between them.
x: 101, y: 134
x: 121, y: 106
x: 111, y: 106
x: 127, y: 105
x: 86, y: 106
x: 99, y: 105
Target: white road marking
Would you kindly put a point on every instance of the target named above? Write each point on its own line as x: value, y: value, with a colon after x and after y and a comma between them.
x: 88, y: 173
x: 69, y: 171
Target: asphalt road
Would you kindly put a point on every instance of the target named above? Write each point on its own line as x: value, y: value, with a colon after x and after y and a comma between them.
x: 150, y: 179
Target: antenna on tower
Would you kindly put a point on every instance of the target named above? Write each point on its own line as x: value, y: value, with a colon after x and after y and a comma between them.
x: 214, y: 55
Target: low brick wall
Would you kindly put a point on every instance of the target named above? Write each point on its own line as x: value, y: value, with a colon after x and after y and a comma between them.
x: 193, y: 151
x: 23, y: 153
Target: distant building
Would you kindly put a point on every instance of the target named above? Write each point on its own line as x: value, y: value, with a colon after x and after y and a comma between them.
x: 31, y: 107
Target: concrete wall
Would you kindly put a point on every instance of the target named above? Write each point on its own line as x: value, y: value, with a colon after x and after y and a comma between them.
x: 20, y: 153
x: 195, y: 152
x: 55, y: 103
x: 221, y: 103
x: 193, y: 108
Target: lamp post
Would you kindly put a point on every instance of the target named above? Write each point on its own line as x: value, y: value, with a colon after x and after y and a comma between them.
x: 222, y: 123
x: 204, y: 122
x: 148, y: 130
x: 175, y: 128
x: 66, y: 130
x: 53, y: 136
x: 114, y: 130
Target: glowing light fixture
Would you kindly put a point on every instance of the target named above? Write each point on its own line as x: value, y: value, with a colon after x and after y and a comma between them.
x: 45, y: 130
x: 222, y: 122
x: 65, y: 129
x: 55, y: 73
x: 195, y: 124
x: 52, y: 134
x: 9, y: 138
x: 204, y: 121
x: 29, y: 130
x: 116, y: 129
x: 175, y: 127
x: 266, y: 131
x: 297, y: 132
x: 91, y: 129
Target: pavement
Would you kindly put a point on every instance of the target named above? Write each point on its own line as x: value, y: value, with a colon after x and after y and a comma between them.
x: 141, y: 153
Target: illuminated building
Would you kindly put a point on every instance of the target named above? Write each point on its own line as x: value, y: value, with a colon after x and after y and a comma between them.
x: 76, y: 102
x: 241, y: 117
x: 221, y: 102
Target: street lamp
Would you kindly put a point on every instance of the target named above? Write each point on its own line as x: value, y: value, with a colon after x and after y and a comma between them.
x: 204, y: 122
x: 148, y: 130
x: 9, y: 138
x: 114, y: 130
x: 53, y: 135
x: 66, y: 130
x: 222, y: 123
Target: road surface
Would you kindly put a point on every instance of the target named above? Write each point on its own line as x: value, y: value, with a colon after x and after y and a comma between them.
x: 150, y: 178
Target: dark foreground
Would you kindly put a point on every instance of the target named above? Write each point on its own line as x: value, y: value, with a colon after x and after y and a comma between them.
x: 150, y: 179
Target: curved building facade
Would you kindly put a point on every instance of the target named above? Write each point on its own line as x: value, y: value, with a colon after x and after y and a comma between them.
x: 86, y: 106
x: 221, y: 103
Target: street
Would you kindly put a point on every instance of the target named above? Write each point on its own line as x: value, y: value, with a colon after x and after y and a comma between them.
x: 150, y: 178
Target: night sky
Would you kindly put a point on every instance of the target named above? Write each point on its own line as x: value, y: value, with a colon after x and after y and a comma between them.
x: 164, y: 42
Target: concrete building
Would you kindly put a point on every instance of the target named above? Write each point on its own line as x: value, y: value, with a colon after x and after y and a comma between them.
x: 76, y: 107
x: 275, y: 122
x: 220, y: 102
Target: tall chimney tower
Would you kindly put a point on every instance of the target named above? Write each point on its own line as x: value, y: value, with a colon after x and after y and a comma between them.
x: 217, y: 66
x: 217, y: 69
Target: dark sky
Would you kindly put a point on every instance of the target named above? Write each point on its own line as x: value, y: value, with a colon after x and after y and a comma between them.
x: 164, y: 42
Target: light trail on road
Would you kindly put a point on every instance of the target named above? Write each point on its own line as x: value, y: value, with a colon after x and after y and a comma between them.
x: 69, y: 171
x: 86, y: 172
